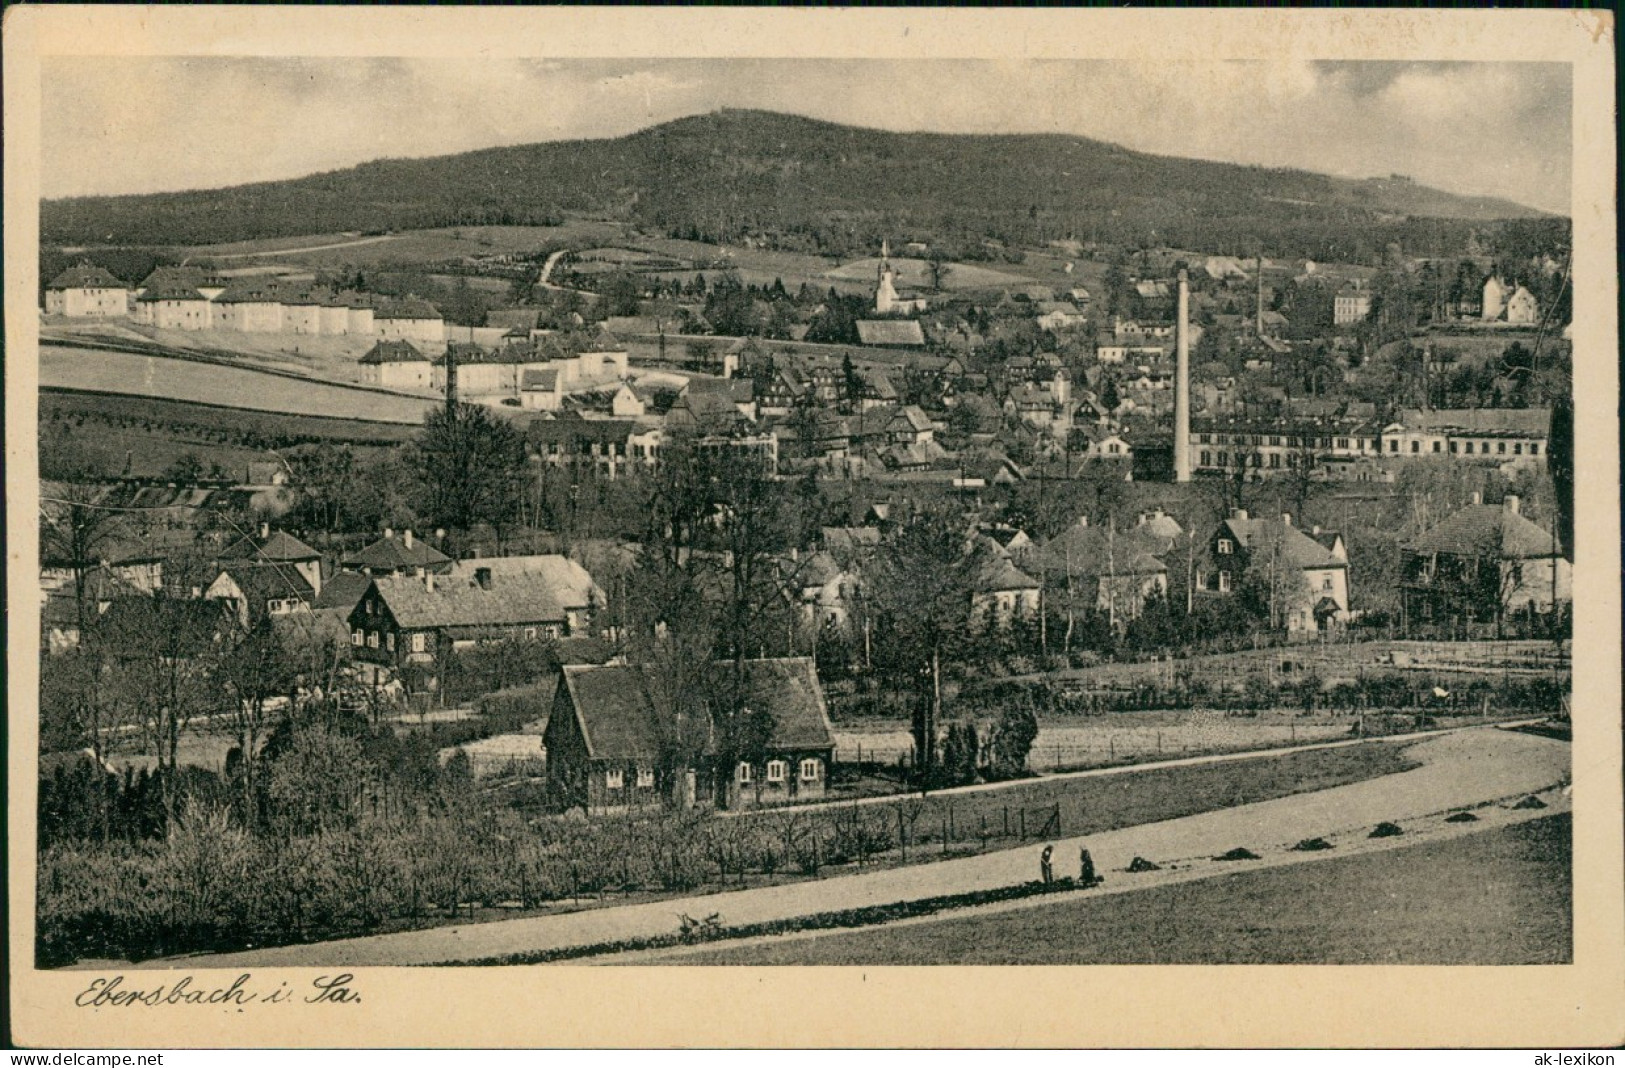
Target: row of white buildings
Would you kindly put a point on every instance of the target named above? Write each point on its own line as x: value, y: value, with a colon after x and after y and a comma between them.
x: 188, y: 298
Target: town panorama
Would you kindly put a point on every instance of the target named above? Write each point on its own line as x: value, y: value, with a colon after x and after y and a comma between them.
x: 579, y: 544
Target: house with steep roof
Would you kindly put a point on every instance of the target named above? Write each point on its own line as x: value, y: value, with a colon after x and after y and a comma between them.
x: 891, y: 333
x: 280, y: 548
x: 1305, y: 582
x: 417, y: 621
x: 403, y: 554
x: 567, y: 582
x: 396, y: 365
x: 1001, y: 592
x: 86, y: 291
x: 1117, y: 572
x: 174, y: 306
x: 409, y: 319
x: 1483, y: 565
x: 610, y: 739
x: 260, y: 590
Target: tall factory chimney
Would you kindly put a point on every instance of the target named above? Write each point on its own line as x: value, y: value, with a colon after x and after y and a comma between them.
x: 451, y: 380
x: 1258, y: 318
x: 1182, y: 385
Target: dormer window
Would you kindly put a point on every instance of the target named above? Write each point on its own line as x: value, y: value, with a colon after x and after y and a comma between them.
x: 1226, y: 547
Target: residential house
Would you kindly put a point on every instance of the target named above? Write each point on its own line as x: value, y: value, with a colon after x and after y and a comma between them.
x: 626, y: 404
x: 1351, y: 306
x: 86, y: 291
x: 396, y: 365
x: 1059, y: 315
x: 257, y: 591
x: 416, y: 621
x: 1483, y: 565
x: 392, y: 555
x: 608, y: 742
x: 174, y: 306
x: 567, y: 582
x: 280, y: 548
x: 1001, y: 592
x: 1114, y: 572
x: 891, y: 333
x: 1306, y: 582
x: 409, y: 319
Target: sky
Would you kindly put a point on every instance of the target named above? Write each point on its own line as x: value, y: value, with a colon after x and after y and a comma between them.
x: 139, y: 125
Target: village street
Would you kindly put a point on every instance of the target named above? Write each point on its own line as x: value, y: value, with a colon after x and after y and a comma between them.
x: 1462, y: 769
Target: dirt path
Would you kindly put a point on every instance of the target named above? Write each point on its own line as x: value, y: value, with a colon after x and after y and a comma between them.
x: 293, y: 251
x: 1457, y: 770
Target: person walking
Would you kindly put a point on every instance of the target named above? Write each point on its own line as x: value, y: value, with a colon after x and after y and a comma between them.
x: 1046, y: 866
x: 1086, y: 869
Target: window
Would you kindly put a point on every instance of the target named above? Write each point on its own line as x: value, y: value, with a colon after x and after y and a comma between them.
x: 1225, y: 546
x: 777, y: 770
x: 1534, y: 449
x: 1436, y: 447
x: 1517, y: 448
x: 1275, y: 459
x: 357, y: 637
x: 614, y: 779
x: 419, y: 643
x: 1224, y: 459
x: 744, y: 773
x: 1501, y: 447
x: 372, y: 639
x: 1207, y: 458
x: 389, y: 641
x: 1416, y: 446
x: 810, y: 770
x: 1326, y: 583
x: 1452, y: 447
x: 1469, y: 448
x: 1224, y: 582
x: 646, y: 778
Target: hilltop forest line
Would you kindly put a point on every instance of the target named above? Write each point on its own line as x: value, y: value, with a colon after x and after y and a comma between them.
x: 807, y: 186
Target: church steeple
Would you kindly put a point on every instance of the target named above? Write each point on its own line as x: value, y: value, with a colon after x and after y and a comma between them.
x: 886, y: 286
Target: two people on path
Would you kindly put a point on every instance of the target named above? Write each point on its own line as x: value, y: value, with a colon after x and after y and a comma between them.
x: 1087, y: 876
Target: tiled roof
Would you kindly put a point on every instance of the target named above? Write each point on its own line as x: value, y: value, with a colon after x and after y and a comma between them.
x: 890, y: 332
x: 1297, y: 548
x: 392, y: 554
x: 85, y: 276
x: 170, y: 291
x: 279, y: 547
x: 547, y: 380
x: 570, y: 583
x: 619, y: 721
x: 393, y: 352
x: 1083, y: 550
x: 1533, y: 422
x: 342, y: 592
x: 455, y: 601
x: 408, y: 308
x: 193, y: 277
x: 1488, y: 530
x: 260, y: 582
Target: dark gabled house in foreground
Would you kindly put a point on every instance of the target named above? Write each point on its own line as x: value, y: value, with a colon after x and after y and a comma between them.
x: 607, y: 749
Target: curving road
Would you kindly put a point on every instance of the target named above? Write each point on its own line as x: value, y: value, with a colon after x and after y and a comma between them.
x: 1472, y: 767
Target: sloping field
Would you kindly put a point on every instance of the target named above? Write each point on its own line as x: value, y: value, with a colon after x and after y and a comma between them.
x: 209, y: 383
x: 916, y: 274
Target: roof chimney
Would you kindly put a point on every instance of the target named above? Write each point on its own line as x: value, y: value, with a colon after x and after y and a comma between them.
x: 265, y: 531
x: 428, y: 580
x: 1478, y: 498
x: 482, y: 575
x: 1511, y: 503
x: 406, y: 539
x: 1083, y: 520
x: 1239, y: 513
x: 389, y: 533
x: 1315, y: 529
x: 1286, y: 518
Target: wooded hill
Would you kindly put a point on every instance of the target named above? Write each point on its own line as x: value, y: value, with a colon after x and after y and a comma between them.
x: 818, y: 186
